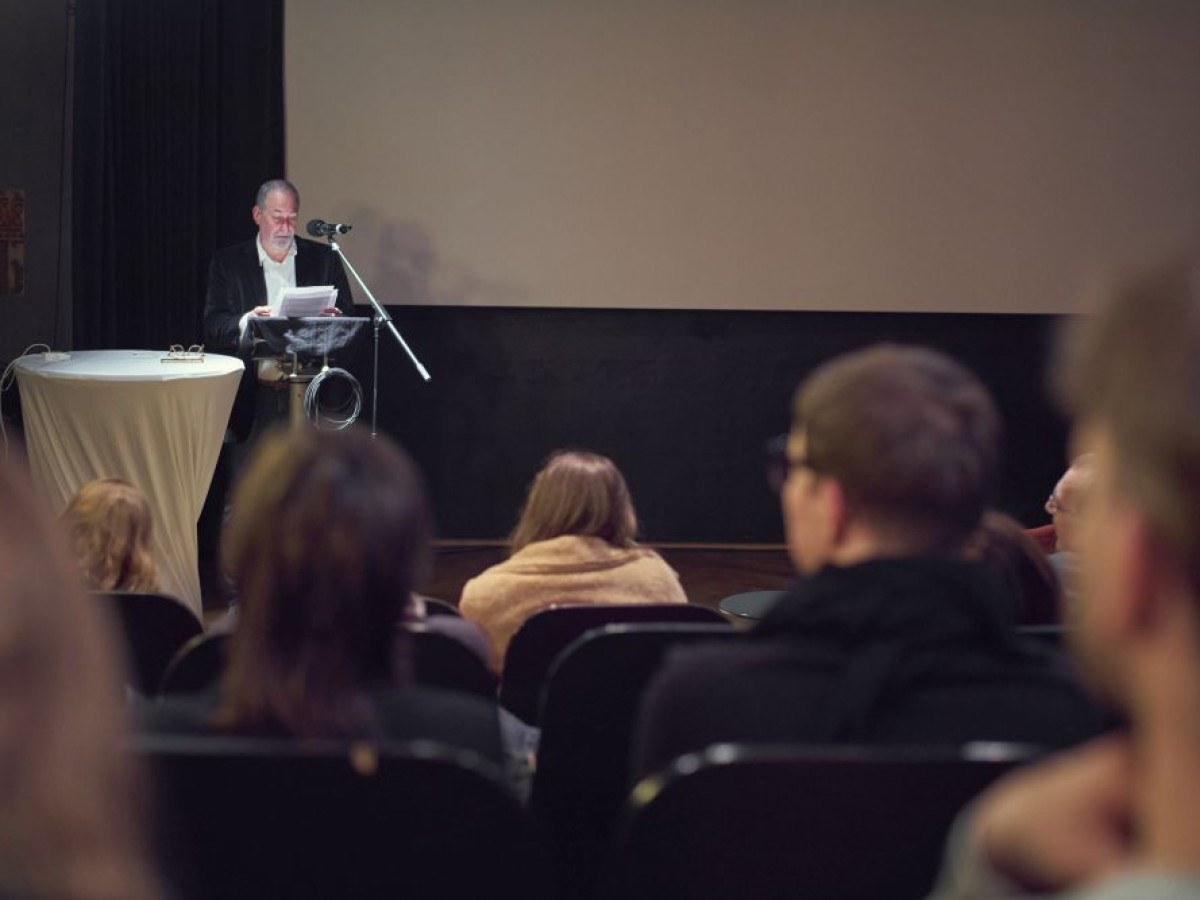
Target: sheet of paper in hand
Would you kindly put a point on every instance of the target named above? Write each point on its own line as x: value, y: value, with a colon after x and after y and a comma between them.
x: 299, y: 302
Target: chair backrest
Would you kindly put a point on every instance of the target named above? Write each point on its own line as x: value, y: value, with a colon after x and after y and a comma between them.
x: 241, y: 817
x: 197, y: 665
x: 438, y: 659
x: 154, y: 627
x: 445, y: 661
x: 545, y: 634
x: 589, y: 708
x: 1050, y: 634
x: 436, y: 607
x: 749, y: 606
x: 850, y: 823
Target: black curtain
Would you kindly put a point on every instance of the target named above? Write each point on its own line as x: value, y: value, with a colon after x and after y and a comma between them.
x: 178, y: 118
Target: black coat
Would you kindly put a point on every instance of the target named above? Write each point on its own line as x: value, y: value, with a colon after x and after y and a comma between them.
x: 917, y: 651
x: 236, y: 285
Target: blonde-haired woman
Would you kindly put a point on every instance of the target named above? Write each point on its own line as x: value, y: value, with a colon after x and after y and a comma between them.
x: 111, y: 529
x: 70, y: 811
x: 573, y: 543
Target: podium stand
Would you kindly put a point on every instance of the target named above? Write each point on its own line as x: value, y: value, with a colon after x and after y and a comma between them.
x: 303, y: 350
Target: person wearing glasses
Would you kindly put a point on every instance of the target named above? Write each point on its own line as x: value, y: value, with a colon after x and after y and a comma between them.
x: 891, y: 636
x: 1065, y: 506
x: 73, y: 799
x: 1066, y: 502
x: 245, y: 279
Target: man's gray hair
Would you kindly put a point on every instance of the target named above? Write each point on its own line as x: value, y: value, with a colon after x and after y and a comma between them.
x: 270, y: 187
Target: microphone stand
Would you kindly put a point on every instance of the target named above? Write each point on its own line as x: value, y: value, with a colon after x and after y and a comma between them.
x: 381, y: 317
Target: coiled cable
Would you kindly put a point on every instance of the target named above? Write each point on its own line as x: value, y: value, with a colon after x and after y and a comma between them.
x: 334, y: 416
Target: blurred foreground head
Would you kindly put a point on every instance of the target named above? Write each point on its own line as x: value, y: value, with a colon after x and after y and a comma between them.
x: 71, y: 821
x: 1130, y: 377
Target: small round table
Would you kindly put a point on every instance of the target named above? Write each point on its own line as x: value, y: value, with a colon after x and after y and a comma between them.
x: 140, y: 415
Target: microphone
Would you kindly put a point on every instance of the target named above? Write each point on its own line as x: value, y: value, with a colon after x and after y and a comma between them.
x: 321, y: 228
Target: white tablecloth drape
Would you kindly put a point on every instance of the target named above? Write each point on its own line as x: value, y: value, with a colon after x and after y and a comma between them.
x: 129, y: 414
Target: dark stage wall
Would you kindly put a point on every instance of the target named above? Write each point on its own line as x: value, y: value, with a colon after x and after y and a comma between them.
x: 682, y: 400
x: 35, y: 124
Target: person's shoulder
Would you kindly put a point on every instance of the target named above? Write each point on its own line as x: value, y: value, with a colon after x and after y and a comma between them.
x: 240, y: 250
x: 234, y: 261
x: 1143, y: 885
x: 648, y: 555
x: 533, y: 560
x: 314, y: 248
x: 480, y: 588
x: 651, y: 560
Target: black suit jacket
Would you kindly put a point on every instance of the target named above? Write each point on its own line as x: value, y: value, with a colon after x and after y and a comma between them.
x: 236, y: 285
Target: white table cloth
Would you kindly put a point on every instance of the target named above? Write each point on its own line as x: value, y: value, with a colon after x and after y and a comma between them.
x: 128, y: 414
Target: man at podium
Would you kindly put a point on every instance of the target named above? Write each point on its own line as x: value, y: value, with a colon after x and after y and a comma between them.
x: 245, y: 280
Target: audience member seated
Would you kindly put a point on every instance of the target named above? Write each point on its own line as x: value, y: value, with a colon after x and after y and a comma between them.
x: 892, y: 637
x: 1065, y: 505
x: 327, y: 538
x: 1119, y: 819
x: 70, y: 797
x: 1005, y: 548
x: 573, y: 543
x: 111, y: 533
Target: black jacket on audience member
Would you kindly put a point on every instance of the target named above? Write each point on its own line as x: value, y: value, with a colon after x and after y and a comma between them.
x: 913, y: 651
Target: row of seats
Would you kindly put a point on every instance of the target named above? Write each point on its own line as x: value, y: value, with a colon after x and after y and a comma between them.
x: 169, y: 652
x: 438, y: 659
x: 578, y: 673
x: 256, y: 818
x: 259, y: 818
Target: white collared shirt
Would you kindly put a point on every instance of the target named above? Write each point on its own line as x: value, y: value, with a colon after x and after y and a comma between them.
x: 277, y: 275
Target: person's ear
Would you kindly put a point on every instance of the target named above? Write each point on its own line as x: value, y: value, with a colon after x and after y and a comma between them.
x: 837, y: 508
x: 1143, y: 571
x: 1167, y: 586
x: 256, y: 213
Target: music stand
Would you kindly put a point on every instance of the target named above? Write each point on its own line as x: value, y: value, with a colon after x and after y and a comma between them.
x: 303, y: 349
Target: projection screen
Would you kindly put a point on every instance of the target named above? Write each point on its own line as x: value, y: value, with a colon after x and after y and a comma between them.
x: 745, y: 154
